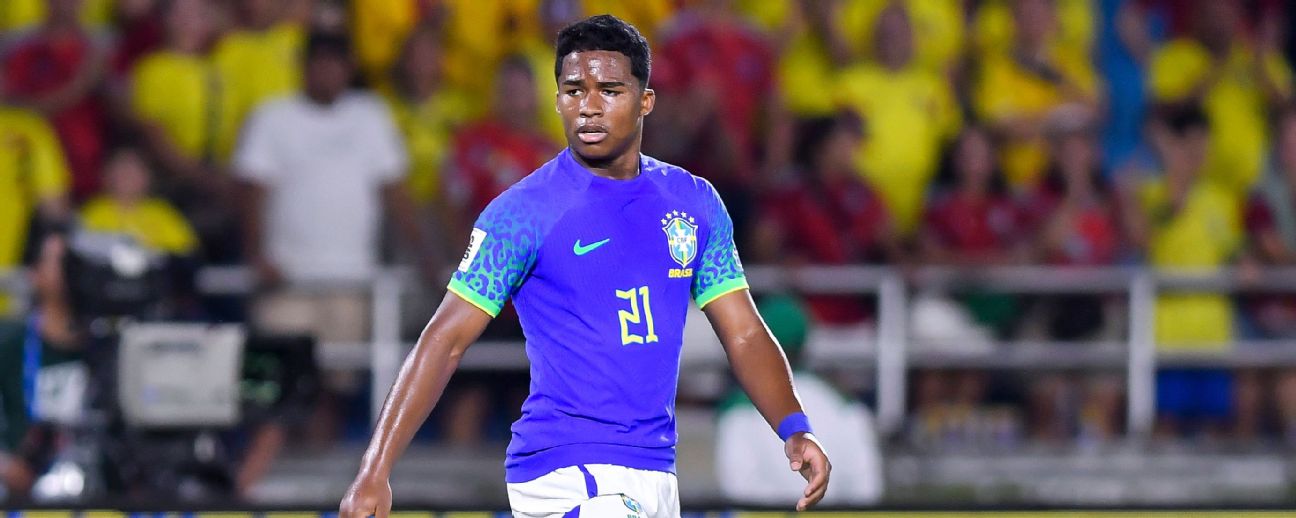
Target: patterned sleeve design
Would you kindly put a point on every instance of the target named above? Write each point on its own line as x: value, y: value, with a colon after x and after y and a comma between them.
x: 720, y: 271
x: 501, y: 252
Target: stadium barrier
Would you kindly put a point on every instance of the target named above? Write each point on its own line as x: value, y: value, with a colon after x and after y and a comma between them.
x: 892, y: 357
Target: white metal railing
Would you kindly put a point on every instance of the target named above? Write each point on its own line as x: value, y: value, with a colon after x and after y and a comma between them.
x: 894, y: 357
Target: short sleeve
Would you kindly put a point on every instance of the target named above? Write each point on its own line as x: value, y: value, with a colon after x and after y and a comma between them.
x: 255, y: 158
x: 501, y: 252
x: 720, y: 271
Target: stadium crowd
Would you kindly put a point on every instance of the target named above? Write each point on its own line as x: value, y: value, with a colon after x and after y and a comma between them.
x: 314, y: 140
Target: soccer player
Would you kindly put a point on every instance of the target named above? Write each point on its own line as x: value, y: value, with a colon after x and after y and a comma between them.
x: 600, y: 249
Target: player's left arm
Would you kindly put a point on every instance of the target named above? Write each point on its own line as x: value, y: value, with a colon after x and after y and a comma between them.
x: 764, y: 374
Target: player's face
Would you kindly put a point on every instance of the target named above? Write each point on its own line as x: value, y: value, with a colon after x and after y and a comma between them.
x: 602, y: 104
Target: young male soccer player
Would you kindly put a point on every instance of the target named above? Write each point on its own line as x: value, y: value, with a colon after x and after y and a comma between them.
x: 600, y: 249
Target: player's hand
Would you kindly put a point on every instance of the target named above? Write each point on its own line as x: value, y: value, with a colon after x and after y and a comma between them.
x: 367, y: 496
x: 807, y: 457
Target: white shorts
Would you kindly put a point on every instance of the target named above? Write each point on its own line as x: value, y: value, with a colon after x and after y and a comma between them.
x: 594, y: 487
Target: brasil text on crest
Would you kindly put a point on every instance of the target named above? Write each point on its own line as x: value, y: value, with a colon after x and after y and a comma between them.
x: 681, y: 240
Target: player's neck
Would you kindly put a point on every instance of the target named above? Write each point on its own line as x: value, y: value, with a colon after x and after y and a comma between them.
x: 622, y: 167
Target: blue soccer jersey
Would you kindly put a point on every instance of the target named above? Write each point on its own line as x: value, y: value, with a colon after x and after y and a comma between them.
x: 601, y: 272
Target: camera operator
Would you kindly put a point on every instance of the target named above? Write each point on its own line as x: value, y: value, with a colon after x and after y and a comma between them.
x: 53, y: 332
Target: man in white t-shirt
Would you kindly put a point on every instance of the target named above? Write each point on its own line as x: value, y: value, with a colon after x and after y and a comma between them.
x: 749, y: 464
x: 320, y: 166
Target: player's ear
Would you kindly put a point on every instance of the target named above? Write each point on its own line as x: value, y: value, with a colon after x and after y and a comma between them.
x: 647, y: 102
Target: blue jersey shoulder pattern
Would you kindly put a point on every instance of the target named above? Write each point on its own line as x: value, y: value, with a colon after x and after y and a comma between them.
x: 503, y: 245
x: 720, y: 271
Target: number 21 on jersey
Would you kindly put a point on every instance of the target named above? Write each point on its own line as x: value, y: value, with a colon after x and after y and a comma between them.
x: 634, y: 317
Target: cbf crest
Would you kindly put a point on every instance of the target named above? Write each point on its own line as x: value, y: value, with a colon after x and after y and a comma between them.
x: 681, y: 240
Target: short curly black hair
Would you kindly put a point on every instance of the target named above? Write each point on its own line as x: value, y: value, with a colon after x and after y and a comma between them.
x: 606, y: 32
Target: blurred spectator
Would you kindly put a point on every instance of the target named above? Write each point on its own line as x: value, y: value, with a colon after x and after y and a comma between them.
x: 258, y: 61
x: 994, y: 28
x: 57, y: 70
x: 380, y: 28
x: 479, y: 35
x: 33, y: 182
x: 52, y: 328
x: 819, y: 37
x: 140, y: 31
x: 938, y: 31
x: 911, y: 112
x: 773, y: 18
x: 1129, y: 33
x: 750, y: 466
x: 1187, y: 222
x: 812, y: 56
x: 1078, y: 226
x: 1271, y: 231
x: 175, y: 94
x: 828, y: 215
x: 1076, y: 219
x: 176, y: 100
x: 127, y: 207
x: 303, y: 157
x: 1023, y: 87
x: 1236, y: 82
x: 428, y: 112
x: 19, y: 15
x: 645, y: 15
x: 975, y: 221
x: 714, y: 76
x: 1270, y: 220
x: 539, y: 51
x: 497, y: 151
x: 1190, y: 223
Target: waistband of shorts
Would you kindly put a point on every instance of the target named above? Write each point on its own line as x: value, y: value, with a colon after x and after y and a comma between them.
x: 526, y: 467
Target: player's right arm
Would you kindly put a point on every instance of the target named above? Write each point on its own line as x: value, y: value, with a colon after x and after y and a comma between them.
x: 501, y: 251
x: 419, y: 385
